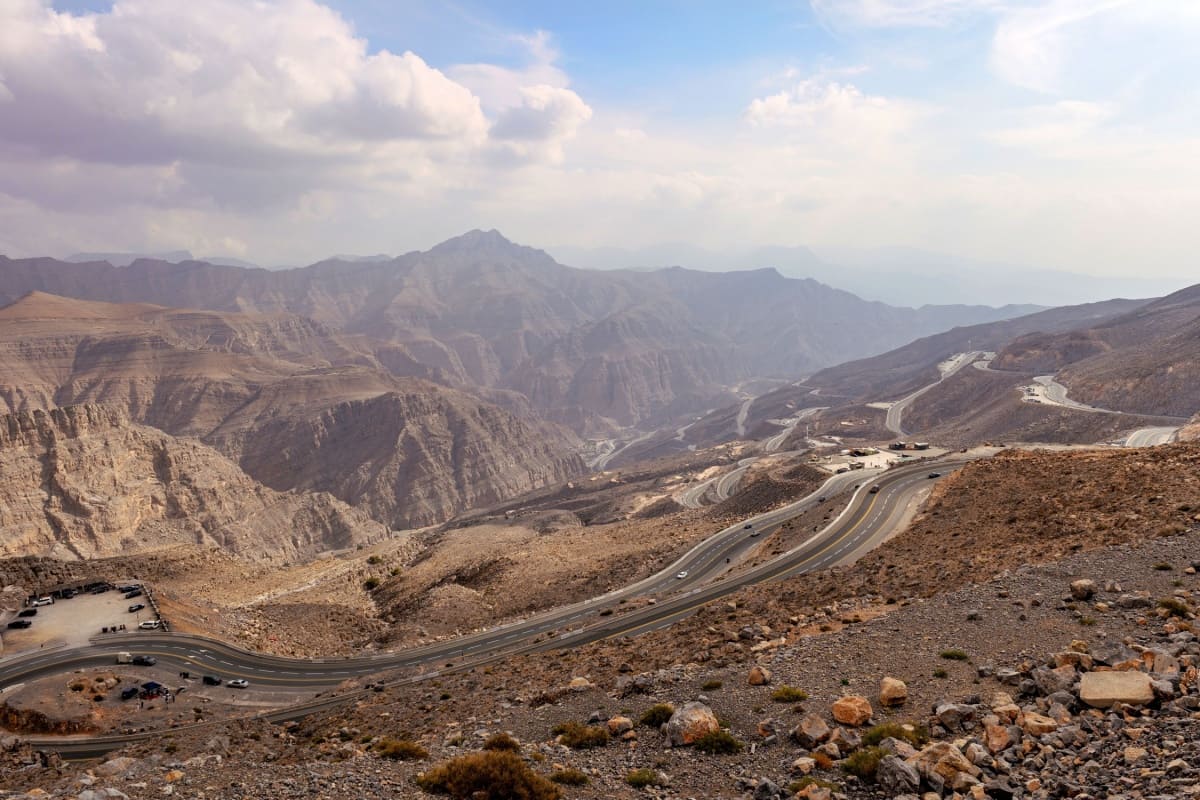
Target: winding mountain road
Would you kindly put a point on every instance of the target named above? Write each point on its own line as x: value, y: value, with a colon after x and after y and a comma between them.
x: 868, y: 519
x: 950, y: 366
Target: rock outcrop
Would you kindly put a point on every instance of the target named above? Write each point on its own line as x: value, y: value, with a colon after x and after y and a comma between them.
x: 85, y: 482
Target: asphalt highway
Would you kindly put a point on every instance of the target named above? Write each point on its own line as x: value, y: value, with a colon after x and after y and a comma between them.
x: 712, y: 572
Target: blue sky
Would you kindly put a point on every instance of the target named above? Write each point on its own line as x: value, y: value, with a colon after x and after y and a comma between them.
x: 1061, y: 133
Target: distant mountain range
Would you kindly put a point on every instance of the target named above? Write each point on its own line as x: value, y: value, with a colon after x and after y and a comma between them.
x: 895, y: 275
x: 597, y: 351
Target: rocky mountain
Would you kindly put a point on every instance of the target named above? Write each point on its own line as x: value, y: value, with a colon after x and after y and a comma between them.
x: 297, y: 406
x: 86, y: 482
x: 1145, y: 362
x: 597, y: 350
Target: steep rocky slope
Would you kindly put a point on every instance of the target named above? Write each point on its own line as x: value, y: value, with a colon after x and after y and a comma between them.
x: 1143, y: 362
x: 85, y: 482
x: 293, y: 403
x: 585, y: 347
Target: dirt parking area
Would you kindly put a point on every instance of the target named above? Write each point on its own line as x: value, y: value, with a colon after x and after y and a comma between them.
x: 74, y: 621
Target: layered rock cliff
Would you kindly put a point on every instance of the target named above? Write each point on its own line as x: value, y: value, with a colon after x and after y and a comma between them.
x: 85, y: 482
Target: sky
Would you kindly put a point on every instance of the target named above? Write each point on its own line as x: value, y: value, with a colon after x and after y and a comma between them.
x: 1057, y: 133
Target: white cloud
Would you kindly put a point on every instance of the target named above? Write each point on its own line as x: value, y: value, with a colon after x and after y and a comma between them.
x: 1057, y: 129
x: 546, y: 118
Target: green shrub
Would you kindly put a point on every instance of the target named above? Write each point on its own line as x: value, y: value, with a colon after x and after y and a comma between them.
x: 641, y: 778
x: 570, y: 777
x: 789, y: 694
x: 502, y: 741
x: 1175, y: 607
x: 916, y: 735
x: 955, y: 655
x: 720, y: 742
x: 711, y: 686
x: 491, y: 775
x: 940, y: 673
x: 400, y: 749
x: 581, y: 737
x: 863, y: 763
x: 371, y: 584
x: 1163, y: 566
x: 655, y: 716
x: 374, y: 560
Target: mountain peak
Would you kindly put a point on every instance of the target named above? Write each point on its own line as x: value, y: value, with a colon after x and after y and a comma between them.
x: 475, y: 240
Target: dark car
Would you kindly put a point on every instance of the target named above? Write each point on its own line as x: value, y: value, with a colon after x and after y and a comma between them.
x: 29, y: 612
x: 136, y: 607
x: 145, y: 661
x: 933, y: 475
x: 873, y: 490
x: 20, y: 623
x: 212, y: 680
x: 129, y: 693
x: 133, y: 593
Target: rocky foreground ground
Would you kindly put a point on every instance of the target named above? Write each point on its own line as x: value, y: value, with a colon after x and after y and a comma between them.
x: 1072, y: 679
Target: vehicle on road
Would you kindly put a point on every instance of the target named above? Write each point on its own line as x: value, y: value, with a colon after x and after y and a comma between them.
x: 124, y: 658
x: 842, y: 470
x: 821, y: 499
x: 748, y: 526
x: 67, y: 594
x: 43, y: 601
x: 145, y: 661
x: 212, y: 680
x: 136, y: 607
x: 238, y: 683
x: 933, y: 475
x: 151, y: 625
x: 682, y: 575
x: 20, y: 623
x: 28, y: 612
x: 874, y: 489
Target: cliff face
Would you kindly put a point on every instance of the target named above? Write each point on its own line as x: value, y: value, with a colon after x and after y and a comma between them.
x: 254, y: 386
x: 85, y: 482
x: 410, y: 458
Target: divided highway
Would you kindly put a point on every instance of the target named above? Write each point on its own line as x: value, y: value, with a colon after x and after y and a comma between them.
x: 867, y: 520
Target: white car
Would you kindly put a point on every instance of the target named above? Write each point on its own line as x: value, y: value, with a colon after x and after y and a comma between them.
x: 151, y: 625
x: 238, y: 683
x: 43, y: 601
x: 682, y: 575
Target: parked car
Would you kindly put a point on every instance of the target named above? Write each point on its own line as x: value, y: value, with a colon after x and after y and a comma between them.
x: 132, y: 593
x: 212, y: 680
x: 43, y: 601
x: 128, y: 588
x: 238, y: 683
x: 29, y: 612
x: 145, y: 661
x: 20, y: 623
x: 136, y: 607
x: 129, y: 692
x: 151, y: 625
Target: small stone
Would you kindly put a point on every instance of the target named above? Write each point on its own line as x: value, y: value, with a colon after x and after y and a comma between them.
x: 759, y: 676
x: 618, y: 725
x: 811, y: 731
x: 804, y: 765
x: 1134, y: 754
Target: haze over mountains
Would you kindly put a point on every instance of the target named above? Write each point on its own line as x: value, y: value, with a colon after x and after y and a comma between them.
x: 896, y: 275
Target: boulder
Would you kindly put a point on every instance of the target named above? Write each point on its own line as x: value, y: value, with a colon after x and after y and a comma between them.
x: 759, y: 676
x: 997, y: 738
x: 941, y: 763
x: 811, y: 731
x: 1083, y: 589
x: 1103, y: 689
x: 804, y: 765
x: 579, y: 684
x: 116, y: 766
x: 892, y: 692
x: 853, y: 709
x: 689, y: 723
x: 896, y: 776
